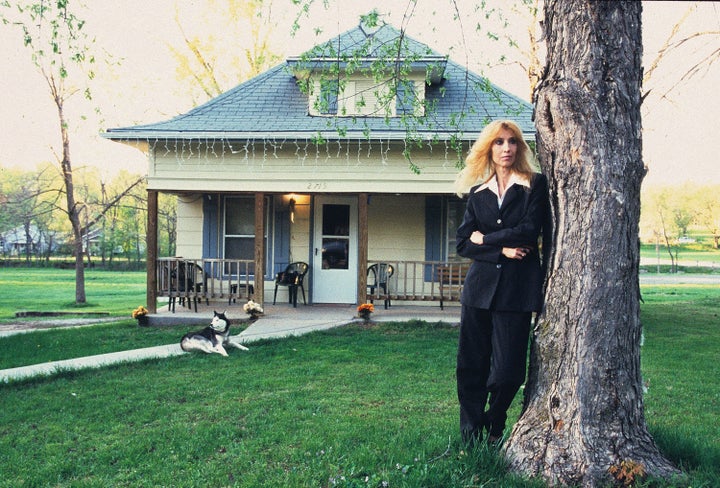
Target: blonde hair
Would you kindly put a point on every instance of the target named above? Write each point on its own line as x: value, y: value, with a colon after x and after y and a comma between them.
x: 479, y: 167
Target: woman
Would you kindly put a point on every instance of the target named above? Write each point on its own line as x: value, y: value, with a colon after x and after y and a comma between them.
x: 505, y: 213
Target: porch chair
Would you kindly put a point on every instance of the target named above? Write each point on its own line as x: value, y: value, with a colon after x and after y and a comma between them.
x: 378, y: 277
x: 292, y: 277
x: 184, y: 281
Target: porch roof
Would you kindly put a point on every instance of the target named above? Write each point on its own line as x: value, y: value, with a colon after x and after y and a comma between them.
x: 272, y: 106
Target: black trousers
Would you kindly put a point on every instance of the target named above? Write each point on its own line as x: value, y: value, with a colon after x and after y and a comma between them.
x: 491, y: 364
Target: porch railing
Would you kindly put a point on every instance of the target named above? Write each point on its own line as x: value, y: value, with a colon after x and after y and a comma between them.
x: 234, y: 279
x: 439, y: 281
x: 205, y: 279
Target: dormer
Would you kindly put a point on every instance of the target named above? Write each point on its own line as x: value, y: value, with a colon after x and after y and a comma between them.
x: 368, y: 72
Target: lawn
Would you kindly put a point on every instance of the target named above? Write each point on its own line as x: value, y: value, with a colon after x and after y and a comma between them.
x: 351, y: 407
x: 50, y: 289
x: 67, y: 343
x: 694, y: 257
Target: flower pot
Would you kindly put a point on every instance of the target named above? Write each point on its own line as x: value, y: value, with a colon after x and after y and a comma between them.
x: 143, y: 321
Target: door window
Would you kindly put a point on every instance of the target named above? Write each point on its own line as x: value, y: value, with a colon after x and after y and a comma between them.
x: 336, y: 236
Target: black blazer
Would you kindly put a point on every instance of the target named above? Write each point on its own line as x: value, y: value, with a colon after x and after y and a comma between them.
x: 494, y: 281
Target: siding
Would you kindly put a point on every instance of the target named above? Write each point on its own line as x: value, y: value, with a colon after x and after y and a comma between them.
x: 189, y: 226
x: 396, y: 228
x: 302, y: 167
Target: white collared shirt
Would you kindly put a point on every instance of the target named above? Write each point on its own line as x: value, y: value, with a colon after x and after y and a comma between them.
x: 492, y: 185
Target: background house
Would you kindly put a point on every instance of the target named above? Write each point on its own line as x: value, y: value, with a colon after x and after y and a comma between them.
x: 341, y: 157
x: 20, y: 241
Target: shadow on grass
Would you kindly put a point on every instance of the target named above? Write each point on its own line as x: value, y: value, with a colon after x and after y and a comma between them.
x: 689, y: 454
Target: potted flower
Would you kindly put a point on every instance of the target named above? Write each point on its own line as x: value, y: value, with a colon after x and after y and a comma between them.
x: 253, y: 309
x: 140, y: 314
x: 365, y: 310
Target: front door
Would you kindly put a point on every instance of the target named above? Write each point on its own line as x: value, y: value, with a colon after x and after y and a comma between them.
x: 335, y: 246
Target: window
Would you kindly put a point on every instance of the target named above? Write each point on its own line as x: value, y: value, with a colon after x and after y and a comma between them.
x: 239, y: 231
x: 366, y: 97
x: 335, y: 236
x: 455, y: 213
x: 239, y: 228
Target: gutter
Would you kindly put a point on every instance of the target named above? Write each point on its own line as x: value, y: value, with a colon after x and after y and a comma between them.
x: 145, y: 135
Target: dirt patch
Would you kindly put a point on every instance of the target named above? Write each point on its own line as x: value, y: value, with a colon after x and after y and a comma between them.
x: 19, y: 325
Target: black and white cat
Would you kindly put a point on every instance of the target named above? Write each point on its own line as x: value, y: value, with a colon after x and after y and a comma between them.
x: 213, y: 338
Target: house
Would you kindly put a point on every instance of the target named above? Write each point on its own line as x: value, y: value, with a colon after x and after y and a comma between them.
x: 35, y: 241
x: 23, y: 240
x: 341, y: 157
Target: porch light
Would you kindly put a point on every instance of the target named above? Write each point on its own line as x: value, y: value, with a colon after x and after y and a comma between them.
x: 291, y: 206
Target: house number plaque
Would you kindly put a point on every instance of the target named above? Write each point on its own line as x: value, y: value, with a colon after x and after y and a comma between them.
x: 317, y: 185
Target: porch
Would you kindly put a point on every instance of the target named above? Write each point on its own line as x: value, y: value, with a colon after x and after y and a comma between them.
x: 200, y: 284
x: 283, y: 319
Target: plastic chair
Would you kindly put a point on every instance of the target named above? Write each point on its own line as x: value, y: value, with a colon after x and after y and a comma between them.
x: 185, y: 283
x: 378, y: 277
x: 292, y: 277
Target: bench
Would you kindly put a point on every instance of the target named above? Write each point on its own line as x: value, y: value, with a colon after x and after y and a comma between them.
x: 451, y: 278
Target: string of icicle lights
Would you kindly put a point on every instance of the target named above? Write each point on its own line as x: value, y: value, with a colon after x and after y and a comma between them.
x: 307, y: 151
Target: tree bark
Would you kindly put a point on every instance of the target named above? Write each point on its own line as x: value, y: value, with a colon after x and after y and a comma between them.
x: 72, y: 208
x: 584, y: 414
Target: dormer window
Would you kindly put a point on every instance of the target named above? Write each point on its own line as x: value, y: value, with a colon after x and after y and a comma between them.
x: 367, y: 98
x: 377, y: 73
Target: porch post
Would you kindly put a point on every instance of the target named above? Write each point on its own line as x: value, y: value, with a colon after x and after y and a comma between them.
x: 151, y: 243
x: 259, y: 248
x: 362, y: 247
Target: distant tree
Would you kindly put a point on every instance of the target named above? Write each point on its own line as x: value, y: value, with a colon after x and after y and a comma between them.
x: 207, y: 63
x: 26, y: 209
x: 683, y: 212
x: 130, y: 233
x: 658, y: 215
x: 167, y: 221
x: 707, y: 203
x: 97, y: 198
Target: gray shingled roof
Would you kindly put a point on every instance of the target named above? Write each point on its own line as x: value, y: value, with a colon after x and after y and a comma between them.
x: 271, y: 105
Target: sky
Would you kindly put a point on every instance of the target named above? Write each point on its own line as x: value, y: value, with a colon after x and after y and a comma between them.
x: 139, y: 84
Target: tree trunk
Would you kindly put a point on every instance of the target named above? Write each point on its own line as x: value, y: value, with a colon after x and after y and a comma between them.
x: 72, y: 207
x: 584, y: 414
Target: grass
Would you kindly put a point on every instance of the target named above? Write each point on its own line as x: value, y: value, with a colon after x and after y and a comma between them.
x: 351, y: 407
x: 682, y: 372
x: 705, y: 258
x: 50, y: 289
x: 65, y: 343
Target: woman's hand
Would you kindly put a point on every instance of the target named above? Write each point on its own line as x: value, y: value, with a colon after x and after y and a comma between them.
x: 477, y: 237
x: 515, y: 252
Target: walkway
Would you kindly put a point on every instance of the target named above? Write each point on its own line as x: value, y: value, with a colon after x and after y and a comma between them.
x: 279, y: 321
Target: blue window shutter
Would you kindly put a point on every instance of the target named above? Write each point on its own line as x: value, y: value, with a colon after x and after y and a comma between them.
x: 210, y: 226
x: 433, y: 231
x: 281, y: 257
